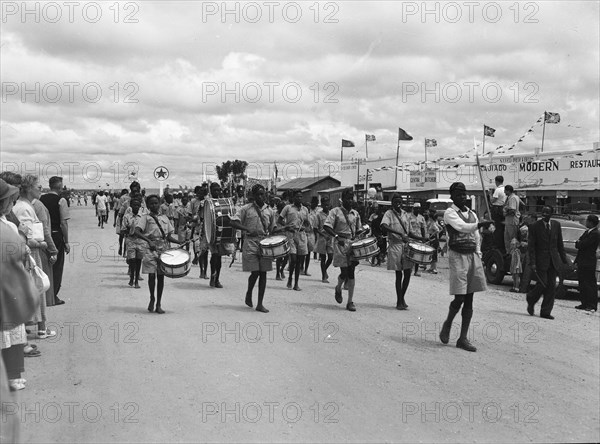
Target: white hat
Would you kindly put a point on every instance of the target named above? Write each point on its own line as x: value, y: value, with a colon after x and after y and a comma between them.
x: 416, y: 205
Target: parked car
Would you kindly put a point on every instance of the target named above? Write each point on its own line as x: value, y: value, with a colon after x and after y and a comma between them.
x: 497, y: 264
x: 571, y: 232
x: 439, y: 205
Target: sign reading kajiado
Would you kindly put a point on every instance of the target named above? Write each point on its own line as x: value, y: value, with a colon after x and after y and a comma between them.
x: 546, y: 168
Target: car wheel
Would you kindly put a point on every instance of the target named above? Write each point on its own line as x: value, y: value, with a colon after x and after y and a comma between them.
x: 494, y: 267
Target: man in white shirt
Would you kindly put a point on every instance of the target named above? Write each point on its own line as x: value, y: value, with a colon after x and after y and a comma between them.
x: 498, y: 200
x: 512, y: 216
x: 101, y: 205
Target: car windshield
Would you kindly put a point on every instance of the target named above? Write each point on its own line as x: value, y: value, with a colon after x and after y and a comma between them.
x: 439, y: 205
x: 571, y: 234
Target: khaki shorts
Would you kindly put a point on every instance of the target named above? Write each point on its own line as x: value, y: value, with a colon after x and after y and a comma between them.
x: 298, y: 243
x: 135, y: 247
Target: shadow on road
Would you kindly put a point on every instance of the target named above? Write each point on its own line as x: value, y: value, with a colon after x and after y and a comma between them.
x: 523, y: 313
x: 418, y: 342
x: 332, y: 306
x: 240, y: 307
x: 128, y: 309
x: 377, y: 306
x: 189, y: 285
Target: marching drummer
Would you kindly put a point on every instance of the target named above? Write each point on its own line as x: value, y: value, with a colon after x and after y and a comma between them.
x: 417, y: 228
x: 324, y: 244
x: 342, y: 223
x: 258, y: 221
x: 395, y: 222
x: 217, y: 249
x: 134, y: 246
x: 157, y: 230
x: 294, y: 218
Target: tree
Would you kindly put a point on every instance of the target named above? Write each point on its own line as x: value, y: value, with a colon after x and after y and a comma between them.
x: 237, y: 168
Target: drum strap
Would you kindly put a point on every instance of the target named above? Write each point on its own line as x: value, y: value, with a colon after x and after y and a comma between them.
x: 164, y: 236
x: 400, y: 222
x: 352, y: 231
x: 259, y: 212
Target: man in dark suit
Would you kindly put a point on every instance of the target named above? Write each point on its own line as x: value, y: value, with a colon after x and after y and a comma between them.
x: 586, y: 264
x: 546, y: 256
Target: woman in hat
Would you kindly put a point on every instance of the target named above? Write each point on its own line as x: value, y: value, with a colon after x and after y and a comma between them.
x: 34, y: 229
x: 14, y: 252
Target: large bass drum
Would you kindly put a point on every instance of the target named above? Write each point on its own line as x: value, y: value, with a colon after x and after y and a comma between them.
x: 217, y: 222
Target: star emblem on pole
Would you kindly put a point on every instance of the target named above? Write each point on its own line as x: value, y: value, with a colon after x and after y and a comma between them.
x: 161, y: 173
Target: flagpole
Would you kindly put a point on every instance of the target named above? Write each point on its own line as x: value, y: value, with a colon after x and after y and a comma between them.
x: 357, y: 172
x: 342, y: 154
x: 483, y: 147
x: 366, y: 147
x: 487, y: 204
x: 397, y: 158
x: 425, y: 150
x: 543, y: 132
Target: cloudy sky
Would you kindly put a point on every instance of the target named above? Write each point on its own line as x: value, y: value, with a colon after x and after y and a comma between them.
x: 187, y: 85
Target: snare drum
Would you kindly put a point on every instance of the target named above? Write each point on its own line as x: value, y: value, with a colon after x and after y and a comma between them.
x: 175, y: 263
x: 364, y: 231
x: 364, y: 248
x: 274, y: 247
x: 420, y: 253
x: 217, y: 222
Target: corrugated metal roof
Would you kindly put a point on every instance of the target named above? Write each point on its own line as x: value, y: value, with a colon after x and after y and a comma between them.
x: 304, y: 183
x: 332, y: 190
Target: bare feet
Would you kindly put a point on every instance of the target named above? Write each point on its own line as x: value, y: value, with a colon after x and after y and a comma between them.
x: 249, y: 300
x: 297, y: 288
x: 262, y: 309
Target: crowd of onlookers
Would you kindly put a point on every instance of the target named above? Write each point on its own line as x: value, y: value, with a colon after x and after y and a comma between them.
x: 35, y: 238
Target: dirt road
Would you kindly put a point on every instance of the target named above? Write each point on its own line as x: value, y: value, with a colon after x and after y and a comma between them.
x: 211, y: 369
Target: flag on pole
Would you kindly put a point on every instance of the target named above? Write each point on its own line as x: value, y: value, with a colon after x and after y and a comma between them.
x: 403, y: 135
x: 347, y: 143
x: 430, y: 143
x: 370, y: 137
x: 132, y: 175
x: 488, y: 131
x: 276, y: 170
x: 551, y: 117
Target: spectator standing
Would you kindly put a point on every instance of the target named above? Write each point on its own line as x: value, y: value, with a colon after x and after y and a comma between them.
x: 512, y: 216
x: 586, y: 264
x: 59, y: 224
x: 497, y: 201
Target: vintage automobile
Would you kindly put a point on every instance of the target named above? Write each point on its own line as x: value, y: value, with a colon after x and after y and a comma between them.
x: 497, y: 264
x: 438, y: 205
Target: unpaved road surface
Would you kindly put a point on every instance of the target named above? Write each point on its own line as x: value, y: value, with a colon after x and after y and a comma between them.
x: 213, y: 370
